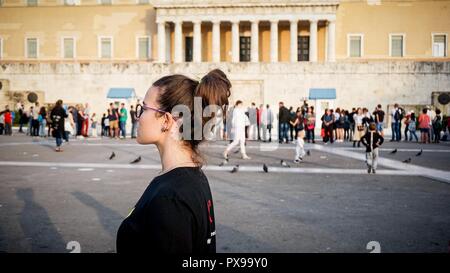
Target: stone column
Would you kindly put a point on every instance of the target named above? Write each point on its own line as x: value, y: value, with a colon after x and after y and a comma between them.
x: 255, y: 42
x: 178, y: 58
x: 274, y: 41
x: 197, y: 41
x: 313, y: 41
x: 216, y: 42
x: 294, y: 42
x: 162, y: 42
x: 331, y: 54
x: 235, y: 41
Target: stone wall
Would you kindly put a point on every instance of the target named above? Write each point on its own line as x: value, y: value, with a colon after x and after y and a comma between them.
x: 362, y: 84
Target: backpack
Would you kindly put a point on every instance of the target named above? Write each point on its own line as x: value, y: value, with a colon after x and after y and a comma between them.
x: 437, y: 124
x: 397, y: 115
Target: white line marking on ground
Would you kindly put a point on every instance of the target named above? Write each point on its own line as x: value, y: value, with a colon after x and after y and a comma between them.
x: 261, y: 146
x: 85, y: 169
x: 257, y: 169
x: 440, y: 175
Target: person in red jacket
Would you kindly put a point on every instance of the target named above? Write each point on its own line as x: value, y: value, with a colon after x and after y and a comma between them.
x: 8, y: 120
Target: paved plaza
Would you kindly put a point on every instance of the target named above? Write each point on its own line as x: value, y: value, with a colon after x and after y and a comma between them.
x: 327, y: 203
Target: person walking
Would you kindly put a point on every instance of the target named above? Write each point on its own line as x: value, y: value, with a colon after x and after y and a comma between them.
x: 238, y: 126
x: 58, y: 114
x: 372, y: 140
x: 299, y: 126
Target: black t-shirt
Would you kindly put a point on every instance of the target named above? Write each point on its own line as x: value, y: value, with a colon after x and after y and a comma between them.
x: 175, y: 214
x: 380, y: 114
x: 113, y: 115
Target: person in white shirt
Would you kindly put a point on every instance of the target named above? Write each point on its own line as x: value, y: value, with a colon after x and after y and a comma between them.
x: 238, y: 126
x: 266, y: 122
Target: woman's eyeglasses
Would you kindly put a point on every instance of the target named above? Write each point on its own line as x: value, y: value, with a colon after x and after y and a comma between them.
x: 140, y: 109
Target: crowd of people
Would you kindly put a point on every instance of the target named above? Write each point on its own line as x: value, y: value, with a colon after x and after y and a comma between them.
x: 246, y: 123
x: 77, y: 121
x: 356, y: 126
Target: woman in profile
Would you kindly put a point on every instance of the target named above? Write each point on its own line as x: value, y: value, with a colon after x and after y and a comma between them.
x: 175, y: 214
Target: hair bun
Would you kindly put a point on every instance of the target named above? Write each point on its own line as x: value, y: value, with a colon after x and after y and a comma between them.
x: 214, y: 88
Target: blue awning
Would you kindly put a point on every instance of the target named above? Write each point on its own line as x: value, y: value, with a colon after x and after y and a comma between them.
x: 121, y: 93
x: 322, y: 93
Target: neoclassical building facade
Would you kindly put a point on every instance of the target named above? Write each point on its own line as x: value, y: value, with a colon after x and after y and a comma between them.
x: 333, y: 53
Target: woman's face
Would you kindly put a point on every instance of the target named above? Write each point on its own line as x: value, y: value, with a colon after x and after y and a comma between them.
x: 150, y: 122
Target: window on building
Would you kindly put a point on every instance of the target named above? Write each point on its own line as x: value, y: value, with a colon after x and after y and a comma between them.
x: 68, y: 48
x: 144, y: 48
x: 105, y: 47
x: 189, y: 44
x: 71, y: 2
x: 32, y: 3
x: 397, y: 45
x: 355, y: 45
x: 439, y: 45
x: 244, y: 49
x: 143, y: 2
x: 32, y: 48
x: 303, y: 48
x: 106, y: 2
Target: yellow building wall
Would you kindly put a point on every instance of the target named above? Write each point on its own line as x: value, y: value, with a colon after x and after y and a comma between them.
x: 416, y: 19
x: 85, y: 23
x: 124, y: 20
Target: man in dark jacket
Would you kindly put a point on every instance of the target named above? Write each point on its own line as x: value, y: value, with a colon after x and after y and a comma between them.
x: 283, y: 119
x: 372, y: 140
x: 58, y: 115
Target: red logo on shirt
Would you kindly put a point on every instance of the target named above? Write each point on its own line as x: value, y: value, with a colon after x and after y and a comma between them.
x: 209, y: 211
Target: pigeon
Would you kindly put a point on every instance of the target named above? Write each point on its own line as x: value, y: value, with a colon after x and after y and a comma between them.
x: 235, y: 169
x: 308, y: 153
x: 419, y: 153
x: 136, y: 160
x: 112, y: 156
x: 284, y: 164
x: 265, y: 169
x: 407, y: 160
x: 223, y: 162
x: 394, y: 151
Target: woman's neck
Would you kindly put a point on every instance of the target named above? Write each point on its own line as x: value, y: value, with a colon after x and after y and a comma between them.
x: 174, y: 155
